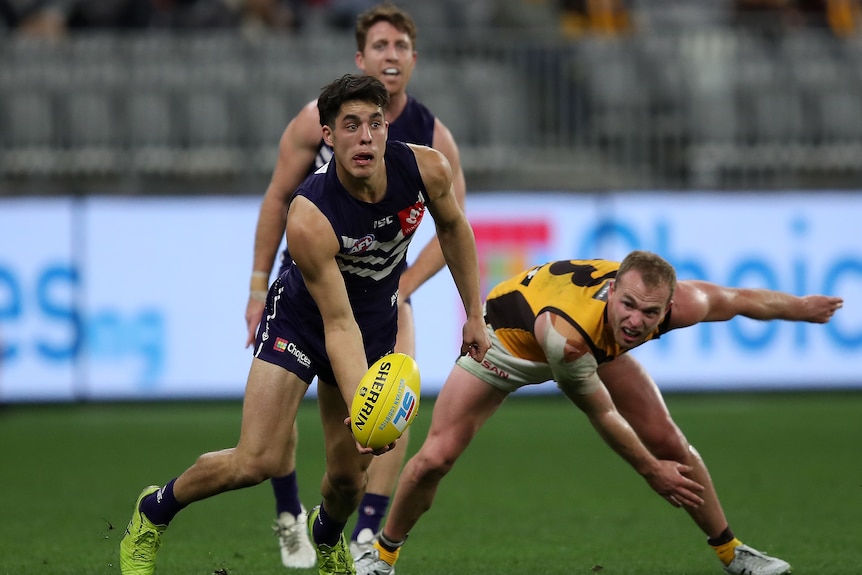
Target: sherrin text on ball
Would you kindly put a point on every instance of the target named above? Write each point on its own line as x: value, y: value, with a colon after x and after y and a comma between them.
x: 386, y: 401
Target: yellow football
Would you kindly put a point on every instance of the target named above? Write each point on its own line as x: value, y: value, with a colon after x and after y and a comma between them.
x: 386, y: 401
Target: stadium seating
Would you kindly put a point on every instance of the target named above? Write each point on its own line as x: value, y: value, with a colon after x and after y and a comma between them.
x: 680, y: 104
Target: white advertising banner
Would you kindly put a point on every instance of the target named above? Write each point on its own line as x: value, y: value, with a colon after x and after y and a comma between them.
x: 799, y: 243
x: 39, y: 300
x: 131, y: 298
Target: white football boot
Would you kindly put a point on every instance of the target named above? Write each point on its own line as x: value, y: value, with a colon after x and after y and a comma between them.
x: 371, y: 564
x: 750, y: 561
x: 364, y: 542
x: 296, y: 550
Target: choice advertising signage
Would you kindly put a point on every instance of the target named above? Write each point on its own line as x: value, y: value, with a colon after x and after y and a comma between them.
x: 133, y: 298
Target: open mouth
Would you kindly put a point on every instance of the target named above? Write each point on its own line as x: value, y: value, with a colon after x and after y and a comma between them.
x: 630, y: 334
x: 391, y: 72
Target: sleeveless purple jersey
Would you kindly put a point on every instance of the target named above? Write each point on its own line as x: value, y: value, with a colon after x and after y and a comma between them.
x: 373, y: 241
x: 415, y: 125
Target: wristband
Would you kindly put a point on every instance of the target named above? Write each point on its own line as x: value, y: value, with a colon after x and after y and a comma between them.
x: 257, y: 295
x: 259, y: 281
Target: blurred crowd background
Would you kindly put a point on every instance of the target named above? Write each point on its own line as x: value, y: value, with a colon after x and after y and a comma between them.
x: 191, y: 96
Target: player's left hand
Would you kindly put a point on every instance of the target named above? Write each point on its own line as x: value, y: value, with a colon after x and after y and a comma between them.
x: 668, y: 480
x: 820, y: 308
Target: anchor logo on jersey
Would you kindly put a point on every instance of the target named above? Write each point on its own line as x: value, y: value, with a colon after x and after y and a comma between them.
x: 411, y: 217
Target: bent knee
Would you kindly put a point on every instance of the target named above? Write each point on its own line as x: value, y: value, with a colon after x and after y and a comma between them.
x: 347, y: 484
x: 432, y: 465
x: 253, y: 470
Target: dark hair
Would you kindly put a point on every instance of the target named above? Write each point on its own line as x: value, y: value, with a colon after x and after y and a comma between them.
x: 349, y: 88
x: 655, y: 270
x: 385, y: 12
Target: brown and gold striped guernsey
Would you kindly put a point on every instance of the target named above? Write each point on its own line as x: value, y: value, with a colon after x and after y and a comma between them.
x: 573, y: 289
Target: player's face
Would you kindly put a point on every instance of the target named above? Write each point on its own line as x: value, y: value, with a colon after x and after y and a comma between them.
x: 358, y: 138
x: 388, y: 56
x: 635, y: 310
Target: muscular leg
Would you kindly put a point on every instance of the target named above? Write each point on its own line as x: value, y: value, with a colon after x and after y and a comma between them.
x: 464, y: 404
x: 384, y: 470
x: 345, y: 476
x: 290, y: 520
x: 382, y: 473
x: 272, y: 397
x: 639, y: 400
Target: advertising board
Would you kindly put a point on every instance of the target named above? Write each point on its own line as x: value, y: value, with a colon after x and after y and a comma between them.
x: 143, y: 298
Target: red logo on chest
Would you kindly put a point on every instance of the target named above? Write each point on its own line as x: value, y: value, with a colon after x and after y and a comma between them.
x: 411, y: 217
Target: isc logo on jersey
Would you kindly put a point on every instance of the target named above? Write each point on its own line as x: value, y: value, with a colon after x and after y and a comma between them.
x: 386, y: 401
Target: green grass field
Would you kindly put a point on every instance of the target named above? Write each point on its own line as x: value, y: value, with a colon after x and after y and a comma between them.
x: 536, y: 493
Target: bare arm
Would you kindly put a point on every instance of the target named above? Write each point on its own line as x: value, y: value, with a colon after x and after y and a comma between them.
x: 314, y: 249
x: 664, y: 476
x: 696, y: 301
x: 430, y: 260
x: 574, y: 369
x: 458, y: 245
x: 297, y: 149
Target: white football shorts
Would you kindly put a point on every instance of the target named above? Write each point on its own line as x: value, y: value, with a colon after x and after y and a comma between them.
x: 502, y: 370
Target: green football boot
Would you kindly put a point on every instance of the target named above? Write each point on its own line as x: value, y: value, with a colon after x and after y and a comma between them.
x: 141, y: 541
x: 335, y: 560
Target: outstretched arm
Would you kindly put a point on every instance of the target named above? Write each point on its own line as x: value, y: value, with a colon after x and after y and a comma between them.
x: 666, y: 477
x: 574, y: 370
x: 695, y: 301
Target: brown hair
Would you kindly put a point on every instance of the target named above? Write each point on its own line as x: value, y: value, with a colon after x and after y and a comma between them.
x: 655, y: 270
x: 349, y: 88
x: 385, y: 12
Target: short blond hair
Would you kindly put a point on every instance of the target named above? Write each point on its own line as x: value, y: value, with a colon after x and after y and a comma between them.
x: 654, y: 269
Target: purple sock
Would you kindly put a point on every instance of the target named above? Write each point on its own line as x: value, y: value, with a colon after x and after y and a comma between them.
x: 371, y: 511
x: 286, y: 492
x: 326, y: 530
x: 160, y: 507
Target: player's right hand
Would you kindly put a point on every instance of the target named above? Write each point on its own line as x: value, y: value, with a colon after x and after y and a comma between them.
x: 475, y: 338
